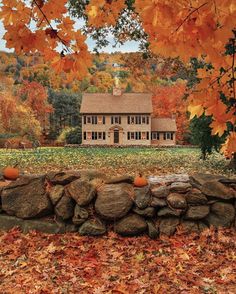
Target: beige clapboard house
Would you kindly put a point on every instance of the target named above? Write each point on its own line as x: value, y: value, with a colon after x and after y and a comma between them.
x: 123, y: 119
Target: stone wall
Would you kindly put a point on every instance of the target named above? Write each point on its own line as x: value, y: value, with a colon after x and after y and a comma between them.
x: 91, y: 203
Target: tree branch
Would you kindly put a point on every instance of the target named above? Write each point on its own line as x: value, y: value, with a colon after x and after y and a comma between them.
x: 188, y: 16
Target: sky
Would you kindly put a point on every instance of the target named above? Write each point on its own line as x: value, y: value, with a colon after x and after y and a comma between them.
x: 130, y: 46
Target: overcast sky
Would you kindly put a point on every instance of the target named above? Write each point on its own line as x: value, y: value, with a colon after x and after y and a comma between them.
x: 127, y: 47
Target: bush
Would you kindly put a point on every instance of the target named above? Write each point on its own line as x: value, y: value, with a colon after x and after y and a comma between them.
x: 74, y: 136
x: 70, y: 136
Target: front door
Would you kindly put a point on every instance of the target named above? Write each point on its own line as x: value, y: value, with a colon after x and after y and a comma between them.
x: 116, y: 136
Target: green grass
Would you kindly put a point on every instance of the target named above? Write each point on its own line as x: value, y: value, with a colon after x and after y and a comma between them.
x: 115, y: 160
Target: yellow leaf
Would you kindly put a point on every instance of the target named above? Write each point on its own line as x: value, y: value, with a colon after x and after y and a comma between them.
x: 195, y: 110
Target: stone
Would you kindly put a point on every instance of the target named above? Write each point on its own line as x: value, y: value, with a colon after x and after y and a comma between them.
x: 146, y: 212
x: 160, y: 192
x: 120, y: 179
x: 55, y: 193
x: 71, y: 228
x: 218, y: 190
x: 191, y: 226
x: 114, y: 200
x: 142, y: 197
x: 152, y: 230
x: 177, y: 201
x: 166, y: 211
x: 92, y: 227
x: 8, y: 222
x: 82, y: 191
x: 221, y: 215
x: 65, y: 207
x: 130, y: 225
x: 63, y: 178
x: 43, y: 226
x: 228, y: 181
x: 197, y: 212
x: 200, y: 179
x: 167, y: 226
x: 195, y: 197
x: 180, y: 187
x: 80, y: 215
x: 158, y: 202
x: 26, y: 198
x: 168, y: 179
x: 92, y: 174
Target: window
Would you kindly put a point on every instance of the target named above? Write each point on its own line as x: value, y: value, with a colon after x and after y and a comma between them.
x: 143, y: 135
x: 132, y: 135
x: 158, y: 136
x: 138, y: 120
x: 116, y: 120
x: 104, y: 135
x: 94, y: 120
x: 168, y: 136
x: 88, y: 119
x: 104, y: 120
x: 143, y: 119
x: 89, y: 136
x: 128, y: 135
x: 84, y: 119
x: 94, y: 135
x: 147, y: 120
x: 154, y: 135
x: 99, y: 136
x: 147, y: 135
x: 84, y: 135
x: 137, y: 135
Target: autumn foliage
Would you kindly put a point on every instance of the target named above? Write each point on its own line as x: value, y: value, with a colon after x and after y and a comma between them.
x: 168, y: 102
x: 185, y: 29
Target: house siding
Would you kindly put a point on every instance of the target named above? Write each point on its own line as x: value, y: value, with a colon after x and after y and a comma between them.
x: 123, y: 129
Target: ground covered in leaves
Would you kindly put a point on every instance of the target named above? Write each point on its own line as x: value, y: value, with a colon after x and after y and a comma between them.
x: 69, y: 263
x: 116, y: 160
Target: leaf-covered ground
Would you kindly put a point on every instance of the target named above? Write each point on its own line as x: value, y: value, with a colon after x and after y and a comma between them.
x: 116, y: 160
x: 47, y: 264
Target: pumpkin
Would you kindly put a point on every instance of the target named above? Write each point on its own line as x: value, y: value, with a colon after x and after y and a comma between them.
x: 140, y: 181
x: 11, y: 173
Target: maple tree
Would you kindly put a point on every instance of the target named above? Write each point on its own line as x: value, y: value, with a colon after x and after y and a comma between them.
x: 199, y: 28
x: 168, y: 102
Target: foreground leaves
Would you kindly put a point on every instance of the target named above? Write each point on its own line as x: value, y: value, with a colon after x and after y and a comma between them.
x: 70, y: 263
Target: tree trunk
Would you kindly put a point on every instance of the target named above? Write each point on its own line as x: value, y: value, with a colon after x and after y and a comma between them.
x: 232, y: 163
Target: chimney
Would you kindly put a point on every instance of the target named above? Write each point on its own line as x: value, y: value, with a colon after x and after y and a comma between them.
x: 117, y: 90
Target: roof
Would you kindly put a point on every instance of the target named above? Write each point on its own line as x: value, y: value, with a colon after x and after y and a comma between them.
x: 108, y: 103
x: 163, y: 125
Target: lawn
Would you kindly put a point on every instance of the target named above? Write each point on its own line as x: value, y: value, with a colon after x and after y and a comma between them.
x: 116, y: 160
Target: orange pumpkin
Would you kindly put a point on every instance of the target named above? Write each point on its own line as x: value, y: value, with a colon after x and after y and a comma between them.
x: 140, y: 181
x: 11, y: 173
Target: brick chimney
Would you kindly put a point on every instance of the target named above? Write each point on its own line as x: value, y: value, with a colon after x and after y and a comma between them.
x: 116, y: 91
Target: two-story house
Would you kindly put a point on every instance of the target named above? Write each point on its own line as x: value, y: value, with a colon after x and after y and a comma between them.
x: 123, y: 119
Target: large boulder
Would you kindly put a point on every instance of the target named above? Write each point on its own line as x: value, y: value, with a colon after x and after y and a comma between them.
x: 197, y: 212
x: 160, y: 192
x: 92, y: 227
x: 92, y: 174
x: 62, y: 178
x: 167, y: 179
x: 65, y: 207
x: 26, y: 198
x: 142, y: 197
x: 80, y: 215
x: 130, y: 225
x: 221, y: 215
x: 196, y: 197
x: 192, y: 226
x: 180, y: 187
x: 81, y: 191
x: 167, y: 226
x: 114, y: 200
x: 55, y: 193
x: 176, y: 201
x: 218, y: 190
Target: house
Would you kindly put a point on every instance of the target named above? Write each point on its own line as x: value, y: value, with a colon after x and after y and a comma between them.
x: 123, y: 119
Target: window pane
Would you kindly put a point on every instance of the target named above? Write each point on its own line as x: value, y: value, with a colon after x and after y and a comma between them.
x: 143, y: 119
x: 128, y: 120
x: 158, y: 136
x: 104, y: 120
x: 128, y: 135
x: 147, y: 120
x: 147, y: 135
x: 84, y: 135
x: 89, y: 119
x: 104, y: 136
x: 85, y: 119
